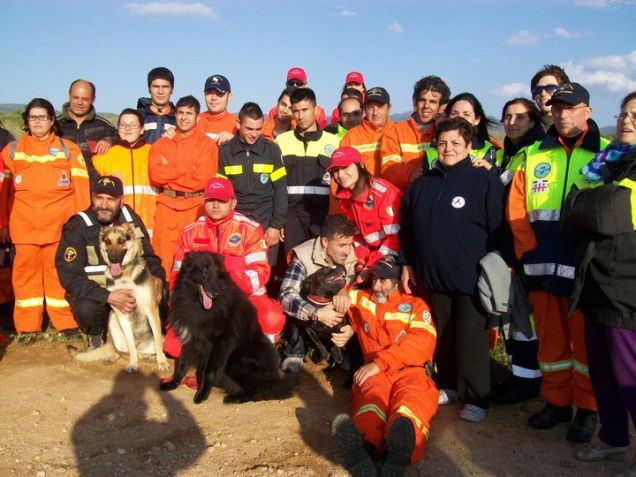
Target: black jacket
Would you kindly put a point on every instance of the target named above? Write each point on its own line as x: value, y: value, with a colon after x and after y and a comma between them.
x: 449, y: 221
x: 154, y: 124
x: 78, y: 255
x: 601, y: 218
x: 259, y: 179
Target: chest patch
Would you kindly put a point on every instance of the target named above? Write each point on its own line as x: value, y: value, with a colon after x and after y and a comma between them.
x: 329, y: 149
x: 405, y: 307
x: 542, y: 169
x: 369, y: 203
x: 53, y: 151
x: 326, y: 179
x: 70, y: 254
x: 539, y: 186
x: 264, y: 178
x: 234, y: 239
x: 64, y: 180
x: 458, y: 202
x: 366, y: 327
x: 18, y: 179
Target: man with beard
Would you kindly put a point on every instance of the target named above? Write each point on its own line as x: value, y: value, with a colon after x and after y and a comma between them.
x: 81, y: 267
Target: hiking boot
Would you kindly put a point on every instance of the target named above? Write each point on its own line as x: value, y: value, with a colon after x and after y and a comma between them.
x: 447, y: 396
x: 26, y: 338
x: 291, y: 364
x: 550, y: 416
x: 352, y: 447
x: 472, y: 413
x: 582, y: 428
x: 400, y: 442
x: 600, y: 451
x: 95, y: 341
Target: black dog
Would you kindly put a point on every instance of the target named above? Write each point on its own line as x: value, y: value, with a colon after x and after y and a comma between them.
x: 219, y: 333
x: 319, y: 288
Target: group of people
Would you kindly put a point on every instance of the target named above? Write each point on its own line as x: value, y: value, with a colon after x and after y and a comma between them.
x: 421, y: 213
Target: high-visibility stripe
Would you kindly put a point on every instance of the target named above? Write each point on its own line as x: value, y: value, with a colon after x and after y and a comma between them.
x: 391, y: 158
x: 255, y: 257
x: 56, y: 302
x: 367, y: 305
x: 371, y: 147
x: 150, y: 126
x: 405, y: 411
x: 277, y: 174
x: 140, y: 189
x: 545, y: 215
x: 556, y: 366
x: 374, y: 237
x: 176, y: 265
x: 581, y: 368
x: 95, y: 268
x: 253, y: 276
x: 631, y: 185
x: 384, y: 250
x: 126, y: 212
x: 565, y: 271
x: 315, y: 190
x: 263, y: 168
x: 233, y: 170
x: 525, y: 372
x: 379, y: 187
x: 374, y: 409
x: 77, y: 172
x: 423, y: 326
x: 398, y: 316
x: 30, y: 302
x: 391, y: 228
x: 86, y: 218
x: 536, y: 269
x: 421, y: 147
x: 21, y: 156
x: 506, y: 177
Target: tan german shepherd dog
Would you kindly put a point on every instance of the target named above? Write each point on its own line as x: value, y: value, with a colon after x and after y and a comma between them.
x: 137, y: 333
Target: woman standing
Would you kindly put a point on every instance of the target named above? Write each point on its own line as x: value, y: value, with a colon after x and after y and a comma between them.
x: 606, y: 280
x: 47, y: 183
x: 450, y: 217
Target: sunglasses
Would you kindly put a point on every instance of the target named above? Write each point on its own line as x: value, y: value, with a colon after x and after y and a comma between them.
x: 548, y: 88
x: 295, y: 84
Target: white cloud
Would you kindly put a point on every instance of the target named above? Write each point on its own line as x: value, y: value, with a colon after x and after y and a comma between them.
x: 561, y: 32
x: 592, y: 3
x: 348, y: 13
x: 510, y: 90
x: 395, y: 27
x: 522, y: 38
x: 171, y: 8
x: 615, y: 73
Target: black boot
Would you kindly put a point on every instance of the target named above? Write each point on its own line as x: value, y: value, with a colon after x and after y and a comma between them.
x: 400, y: 442
x: 550, y: 416
x: 582, y: 428
x: 352, y: 447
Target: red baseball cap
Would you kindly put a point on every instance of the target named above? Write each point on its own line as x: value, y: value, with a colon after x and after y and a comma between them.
x: 354, y: 77
x: 344, y: 156
x: 297, y: 73
x: 220, y: 189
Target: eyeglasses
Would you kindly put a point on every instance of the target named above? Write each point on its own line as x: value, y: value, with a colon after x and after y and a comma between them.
x: 560, y: 109
x: 623, y: 116
x: 353, y: 113
x: 40, y: 118
x: 295, y: 84
x: 129, y: 126
x: 548, y: 88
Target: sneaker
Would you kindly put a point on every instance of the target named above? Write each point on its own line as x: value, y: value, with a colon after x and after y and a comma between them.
x: 26, y: 338
x: 291, y: 364
x: 582, y: 428
x: 600, y: 451
x: 400, y: 442
x: 95, y: 341
x: 447, y: 396
x: 351, y: 447
x: 472, y: 413
x: 550, y: 416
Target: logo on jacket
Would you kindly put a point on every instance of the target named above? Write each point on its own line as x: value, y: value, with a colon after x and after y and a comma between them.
x: 405, y: 307
x: 426, y: 316
x: 64, y: 180
x: 369, y: 203
x: 329, y: 148
x: 234, y: 239
x: 458, y: 202
x: 326, y: 179
x: 70, y: 254
x: 366, y: 327
x: 18, y: 179
x: 542, y: 169
x: 264, y: 178
x: 539, y: 186
x: 53, y: 151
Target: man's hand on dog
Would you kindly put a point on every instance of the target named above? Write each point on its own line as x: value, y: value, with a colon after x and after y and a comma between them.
x: 328, y: 316
x: 341, y: 302
x: 123, y: 300
x: 340, y: 339
x: 365, y: 372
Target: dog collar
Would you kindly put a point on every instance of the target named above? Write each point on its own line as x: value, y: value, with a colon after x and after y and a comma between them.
x: 318, y: 300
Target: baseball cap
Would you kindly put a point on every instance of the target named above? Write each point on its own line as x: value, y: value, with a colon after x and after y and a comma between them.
x: 110, y: 185
x: 220, y: 189
x: 377, y: 94
x: 161, y: 72
x: 217, y: 82
x: 344, y: 156
x: 386, y: 267
x: 354, y: 77
x: 296, y: 73
x: 570, y: 93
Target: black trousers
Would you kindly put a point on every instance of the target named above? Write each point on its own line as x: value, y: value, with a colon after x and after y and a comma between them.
x: 462, y: 355
x: 91, y: 316
x: 303, y: 225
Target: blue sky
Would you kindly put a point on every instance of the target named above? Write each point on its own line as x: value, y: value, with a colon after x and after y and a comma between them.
x: 490, y: 48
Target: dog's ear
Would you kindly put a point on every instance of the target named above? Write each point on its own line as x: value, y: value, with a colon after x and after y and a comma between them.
x: 130, y: 230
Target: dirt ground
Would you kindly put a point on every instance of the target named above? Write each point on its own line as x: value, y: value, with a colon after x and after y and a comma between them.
x: 62, y: 418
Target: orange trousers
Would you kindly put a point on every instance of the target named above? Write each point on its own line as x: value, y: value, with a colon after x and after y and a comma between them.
x: 35, y: 282
x: 169, y: 224
x: 386, y: 396
x: 562, y: 354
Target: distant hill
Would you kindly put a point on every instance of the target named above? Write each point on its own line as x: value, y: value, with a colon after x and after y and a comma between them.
x: 9, y: 107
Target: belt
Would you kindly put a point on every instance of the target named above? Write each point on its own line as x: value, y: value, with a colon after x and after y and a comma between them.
x: 180, y: 193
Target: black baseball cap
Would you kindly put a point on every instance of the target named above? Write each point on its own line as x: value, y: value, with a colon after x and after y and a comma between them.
x: 110, y: 185
x: 377, y: 94
x: 387, y: 267
x: 570, y: 93
x: 217, y: 82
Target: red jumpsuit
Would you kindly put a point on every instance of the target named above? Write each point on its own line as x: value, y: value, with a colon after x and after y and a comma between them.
x: 241, y: 241
x: 181, y: 166
x: 376, y: 213
x: 47, y: 182
x: 399, y: 337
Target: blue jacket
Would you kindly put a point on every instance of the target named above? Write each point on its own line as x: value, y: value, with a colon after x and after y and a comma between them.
x: 154, y: 124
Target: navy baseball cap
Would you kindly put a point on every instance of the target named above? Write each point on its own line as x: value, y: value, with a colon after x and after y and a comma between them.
x: 218, y: 83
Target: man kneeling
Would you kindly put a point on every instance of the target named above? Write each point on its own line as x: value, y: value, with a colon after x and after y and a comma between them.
x: 394, y: 398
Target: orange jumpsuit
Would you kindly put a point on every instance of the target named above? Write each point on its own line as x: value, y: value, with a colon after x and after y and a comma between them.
x: 181, y: 166
x: 366, y: 139
x: 399, y: 337
x: 213, y: 124
x: 401, y: 149
x: 43, y: 188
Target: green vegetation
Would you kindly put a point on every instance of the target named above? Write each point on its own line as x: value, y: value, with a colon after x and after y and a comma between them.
x: 13, y: 122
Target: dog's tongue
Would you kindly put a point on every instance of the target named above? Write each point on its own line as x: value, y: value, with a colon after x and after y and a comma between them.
x: 115, y: 270
x: 205, y: 299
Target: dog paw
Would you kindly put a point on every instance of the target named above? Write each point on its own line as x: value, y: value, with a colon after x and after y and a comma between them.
x: 168, y: 384
x: 235, y: 398
x: 132, y: 368
x: 163, y: 366
x: 199, y: 397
